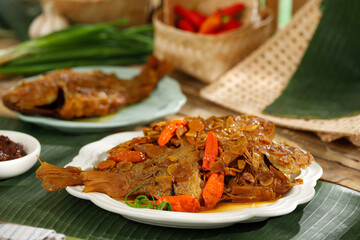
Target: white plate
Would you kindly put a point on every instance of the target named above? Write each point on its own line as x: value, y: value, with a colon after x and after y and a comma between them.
x: 166, y: 99
x: 95, y: 152
x: 18, y: 166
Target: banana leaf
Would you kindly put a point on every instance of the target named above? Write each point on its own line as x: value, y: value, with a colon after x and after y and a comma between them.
x: 333, y: 213
x: 327, y: 82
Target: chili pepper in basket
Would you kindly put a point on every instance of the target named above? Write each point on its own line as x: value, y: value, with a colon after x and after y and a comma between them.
x: 211, y: 151
x: 217, y: 23
x: 127, y: 156
x: 186, y: 25
x: 169, y: 131
x: 232, y: 10
x: 198, y: 16
x: 181, y: 203
x: 211, y: 24
x: 213, y: 189
x: 192, y: 16
x: 229, y: 24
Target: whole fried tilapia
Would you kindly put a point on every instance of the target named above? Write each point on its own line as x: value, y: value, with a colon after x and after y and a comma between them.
x: 255, y: 166
x: 160, y: 174
x: 67, y: 94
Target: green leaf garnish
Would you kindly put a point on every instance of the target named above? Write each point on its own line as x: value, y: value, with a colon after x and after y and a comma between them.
x: 142, y: 201
x: 164, y: 206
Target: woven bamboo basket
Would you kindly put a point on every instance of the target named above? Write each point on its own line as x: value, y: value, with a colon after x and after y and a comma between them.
x: 96, y: 11
x: 207, y: 57
x: 207, y: 7
x: 257, y: 81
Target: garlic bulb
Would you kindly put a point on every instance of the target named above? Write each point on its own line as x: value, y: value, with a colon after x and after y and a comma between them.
x: 47, y: 22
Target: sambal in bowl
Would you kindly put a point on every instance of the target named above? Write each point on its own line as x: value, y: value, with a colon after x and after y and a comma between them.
x: 18, y: 153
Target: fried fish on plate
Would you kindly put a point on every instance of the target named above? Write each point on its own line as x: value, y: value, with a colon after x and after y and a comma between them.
x: 68, y: 94
x: 240, y: 163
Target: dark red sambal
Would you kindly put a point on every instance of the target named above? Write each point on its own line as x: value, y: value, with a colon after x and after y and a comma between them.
x: 10, y: 150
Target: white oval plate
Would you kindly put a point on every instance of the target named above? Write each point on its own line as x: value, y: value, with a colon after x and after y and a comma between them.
x: 166, y: 99
x: 95, y: 152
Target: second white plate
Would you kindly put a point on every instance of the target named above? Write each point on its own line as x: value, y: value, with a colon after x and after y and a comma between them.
x: 166, y: 99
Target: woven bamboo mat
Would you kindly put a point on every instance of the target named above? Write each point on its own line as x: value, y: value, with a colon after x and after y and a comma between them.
x: 258, y: 80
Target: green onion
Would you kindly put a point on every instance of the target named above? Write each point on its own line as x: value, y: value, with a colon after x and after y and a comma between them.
x: 142, y: 201
x: 43, y: 67
x: 164, y: 206
x: 100, y: 44
x: 85, y: 53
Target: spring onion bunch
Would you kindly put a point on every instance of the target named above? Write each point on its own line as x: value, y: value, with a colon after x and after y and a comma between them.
x: 80, y: 45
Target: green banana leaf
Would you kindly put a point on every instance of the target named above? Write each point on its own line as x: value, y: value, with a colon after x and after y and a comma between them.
x: 327, y: 82
x: 333, y: 213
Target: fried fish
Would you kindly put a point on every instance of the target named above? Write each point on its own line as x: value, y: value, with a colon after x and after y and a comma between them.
x: 252, y: 165
x: 68, y: 94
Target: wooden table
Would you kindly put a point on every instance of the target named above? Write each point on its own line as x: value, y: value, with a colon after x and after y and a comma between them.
x: 340, y: 160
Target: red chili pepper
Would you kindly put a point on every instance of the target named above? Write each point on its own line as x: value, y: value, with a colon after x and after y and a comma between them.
x: 232, y: 10
x: 211, y: 24
x: 228, y: 25
x: 186, y: 25
x: 199, y: 16
x: 194, y: 17
x: 211, y: 151
x: 231, y: 23
x: 169, y: 131
x: 127, y: 156
x: 213, y: 190
x: 182, y: 203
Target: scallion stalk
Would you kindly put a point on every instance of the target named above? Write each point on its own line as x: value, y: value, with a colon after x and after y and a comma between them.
x: 44, y: 67
x: 100, y: 44
x: 85, y: 53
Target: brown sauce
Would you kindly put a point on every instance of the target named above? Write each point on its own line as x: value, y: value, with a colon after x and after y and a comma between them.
x: 10, y: 150
x: 235, y: 206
